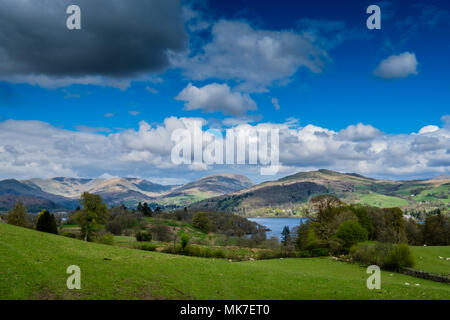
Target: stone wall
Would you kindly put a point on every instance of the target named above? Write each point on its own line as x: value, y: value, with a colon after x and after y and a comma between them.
x: 425, y: 275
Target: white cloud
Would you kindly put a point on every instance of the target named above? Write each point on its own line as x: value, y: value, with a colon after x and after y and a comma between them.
x: 134, y: 113
x: 109, y: 115
x: 254, y: 58
x: 38, y: 149
x: 151, y: 90
x: 359, y: 132
x: 276, y: 103
x: 428, y: 129
x: 84, y: 128
x: 216, y: 98
x: 400, y: 66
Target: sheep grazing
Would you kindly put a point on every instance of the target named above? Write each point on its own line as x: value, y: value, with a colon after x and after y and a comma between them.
x: 441, y: 257
x: 406, y: 284
x: 229, y: 260
x: 417, y: 285
x: 448, y: 259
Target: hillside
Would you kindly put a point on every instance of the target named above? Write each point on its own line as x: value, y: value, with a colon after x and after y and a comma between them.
x: 234, y: 193
x: 204, y: 188
x: 12, y: 191
x: 115, y: 191
x: 291, y: 193
x: 34, y: 266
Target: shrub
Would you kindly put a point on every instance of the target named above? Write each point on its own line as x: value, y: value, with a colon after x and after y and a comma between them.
x: 385, y: 255
x: 114, y: 227
x: 371, y: 254
x: 106, y: 238
x: 142, y: 236
x: 184, y: 241
x: 70, y: 235
x: 161, y: 232
x: 148, y: 247
x: 400, y: 257
x: 351, y: 232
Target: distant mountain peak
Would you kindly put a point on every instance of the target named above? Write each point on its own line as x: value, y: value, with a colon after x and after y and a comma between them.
x: 442, y: 177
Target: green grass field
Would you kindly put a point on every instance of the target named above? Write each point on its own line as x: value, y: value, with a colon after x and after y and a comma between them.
x: 427, y: 259
x: 33, y: 266
x: 382, y: 201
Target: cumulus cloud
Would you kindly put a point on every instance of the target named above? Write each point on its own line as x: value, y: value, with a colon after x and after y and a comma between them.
x: 254, y: 58
x: 37, y: 149
x: 216, y: 98
x: 400, y: 66
x: 428, y: 129
x: 359, y: 132
x: 102, y: 52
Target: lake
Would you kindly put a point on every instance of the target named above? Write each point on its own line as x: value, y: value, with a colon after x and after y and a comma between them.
x: 276, y: 225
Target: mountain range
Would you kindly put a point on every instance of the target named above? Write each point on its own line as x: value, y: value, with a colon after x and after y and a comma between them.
x: 64, y: 193
x: 230, y: 192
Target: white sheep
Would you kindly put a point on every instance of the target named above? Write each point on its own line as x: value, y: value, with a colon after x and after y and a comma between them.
x: 441, y: 257
x: 406, y: 283
x: 448, y: 259
x: 417, y: 285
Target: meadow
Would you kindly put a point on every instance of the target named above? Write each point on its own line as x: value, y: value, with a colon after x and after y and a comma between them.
x: 34, y: 266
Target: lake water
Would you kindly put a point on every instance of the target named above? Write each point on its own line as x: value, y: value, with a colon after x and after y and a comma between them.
x: 276, y: 225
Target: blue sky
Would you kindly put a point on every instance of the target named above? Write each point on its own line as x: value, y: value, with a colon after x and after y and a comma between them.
x: 340, y: 87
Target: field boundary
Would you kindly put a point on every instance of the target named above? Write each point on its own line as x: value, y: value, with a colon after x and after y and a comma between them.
x: 425, y: 275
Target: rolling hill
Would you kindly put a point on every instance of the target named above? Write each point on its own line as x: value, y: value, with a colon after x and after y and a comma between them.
x: 34, y: 266
x: 204, y: 188
x: 12, y: 191
x: 232, y: 193
x: 60, y: 193
x: 291, y: 193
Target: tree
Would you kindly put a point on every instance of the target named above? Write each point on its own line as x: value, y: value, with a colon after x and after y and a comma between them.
x: 286, y: 235
x: 94, y: 212
x: 436, y: 230
x: 326, y: 202
x: 184, y: 241
x: 414, y: 232
x: 46, y: 222
x: 18, y: 215
x: 146, y: 210
x: 363, y: 217
x: 202, y: 221
x: 395, y: 220
x: 351, y: 232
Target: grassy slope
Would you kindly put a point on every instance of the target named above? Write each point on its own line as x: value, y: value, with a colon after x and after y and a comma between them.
x: 382, y: 201
x: 427, y: 259
x: 34, y: 265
